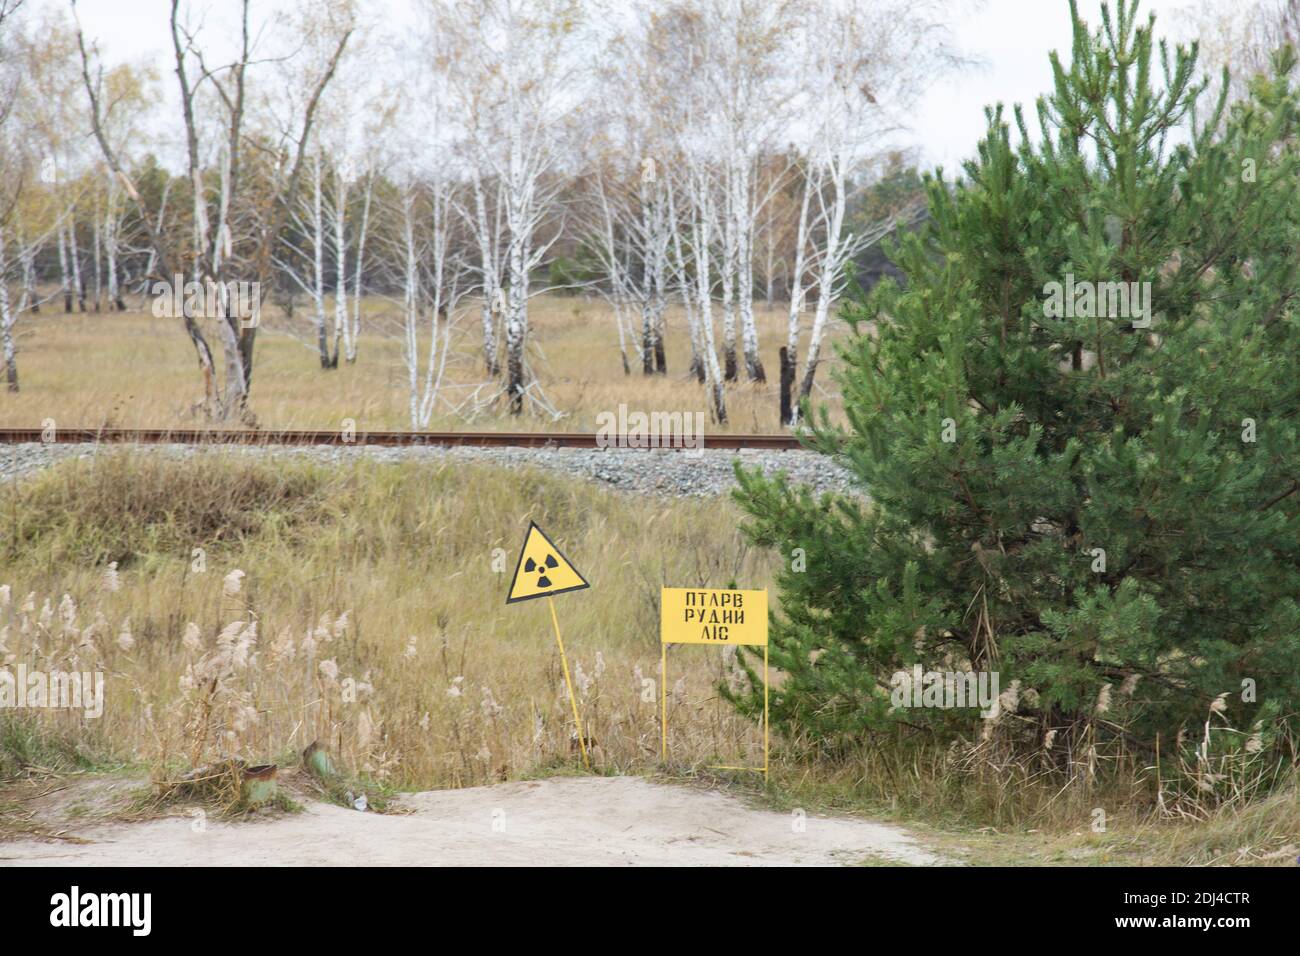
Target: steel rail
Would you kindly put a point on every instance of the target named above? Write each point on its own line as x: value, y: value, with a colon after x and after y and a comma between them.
x: 231, y: 436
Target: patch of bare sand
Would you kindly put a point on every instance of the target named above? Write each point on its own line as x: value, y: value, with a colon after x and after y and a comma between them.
x: 568, y: 821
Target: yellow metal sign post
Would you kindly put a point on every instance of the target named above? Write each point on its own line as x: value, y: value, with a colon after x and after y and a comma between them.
x: 541, y: 572
x: 716, y: 616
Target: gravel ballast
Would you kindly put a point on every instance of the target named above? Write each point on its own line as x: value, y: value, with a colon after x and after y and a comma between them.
x: 660, y: 472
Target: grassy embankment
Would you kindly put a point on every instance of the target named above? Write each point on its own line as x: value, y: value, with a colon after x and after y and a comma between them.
x: 371, y: 616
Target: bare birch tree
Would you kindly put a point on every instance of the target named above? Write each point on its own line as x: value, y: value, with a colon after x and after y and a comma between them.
x: 605, y: 235
x: 436, y: 277
x: 511, y: 70
x: 214, y: 256
x: 702, y: 226
x: 746, y: 67
x: 863, y: 66
x: 303, y: 260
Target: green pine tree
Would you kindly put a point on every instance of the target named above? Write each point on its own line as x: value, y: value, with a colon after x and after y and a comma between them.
x: 1059, y: 493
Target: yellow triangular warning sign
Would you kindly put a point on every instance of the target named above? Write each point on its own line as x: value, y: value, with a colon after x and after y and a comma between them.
x: 542, y: 569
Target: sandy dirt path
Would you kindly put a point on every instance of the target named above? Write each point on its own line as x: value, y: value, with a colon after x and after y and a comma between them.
x: 588, y: 821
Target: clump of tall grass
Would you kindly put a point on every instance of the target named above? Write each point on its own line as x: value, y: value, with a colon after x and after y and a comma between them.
x: 1013, y: 772
x: 30, y: 744
x: 119, y: 508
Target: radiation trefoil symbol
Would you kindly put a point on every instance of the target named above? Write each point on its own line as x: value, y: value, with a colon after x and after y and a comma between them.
x: 542, y: 580
x: 542, y: 569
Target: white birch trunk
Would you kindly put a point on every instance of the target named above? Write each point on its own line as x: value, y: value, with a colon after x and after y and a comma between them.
x: 744, y: 201
x: 64, y: 287
x: 688, y: 299
x: 360, y: 262
x: 728, y: 277
x: 490, y: 276
x: 519, y: 221
x: 236, y: 381
x: 411, y: 306
x: 715, y: 379
x: 7, y: 318
x: 318, y: 268
x: 112, y: 224
x: 74, y: 255
x: 342, y: 328
x: 832, y: 261
x: 790, y: 363
x: 95, y: 254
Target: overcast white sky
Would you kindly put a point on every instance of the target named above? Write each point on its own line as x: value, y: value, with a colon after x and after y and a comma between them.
x: 1011, y: 37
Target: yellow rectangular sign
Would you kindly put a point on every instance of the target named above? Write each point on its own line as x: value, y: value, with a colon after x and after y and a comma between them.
x: 712, y: 616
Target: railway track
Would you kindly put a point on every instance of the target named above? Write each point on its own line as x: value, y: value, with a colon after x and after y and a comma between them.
x: 231, y: 436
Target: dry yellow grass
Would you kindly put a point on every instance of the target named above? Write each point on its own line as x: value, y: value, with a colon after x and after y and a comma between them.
x: 135, y: 370
x: 370, y: 615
